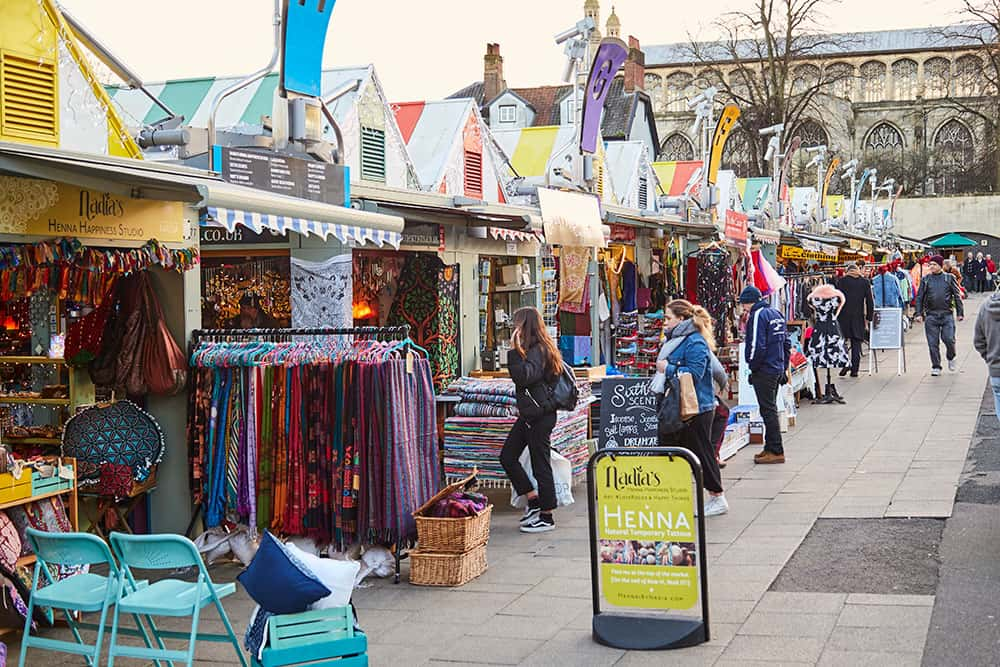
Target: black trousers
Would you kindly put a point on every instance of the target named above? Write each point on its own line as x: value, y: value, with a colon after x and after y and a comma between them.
x: 697, y: 437
x: 535, y: 436
x: 856, y: 355
x: 766, y: 388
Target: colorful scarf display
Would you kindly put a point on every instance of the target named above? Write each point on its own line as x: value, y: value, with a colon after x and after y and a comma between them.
x: 333, y: 441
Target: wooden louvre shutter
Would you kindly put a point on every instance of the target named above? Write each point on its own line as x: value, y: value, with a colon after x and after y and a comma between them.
x: 599, y: 177
x: 373, y: 154
x: 473, y: 174
x: 29, y: 98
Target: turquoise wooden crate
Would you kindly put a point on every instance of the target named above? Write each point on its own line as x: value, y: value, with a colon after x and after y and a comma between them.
x: 42, y: 485
x: 324, y: 637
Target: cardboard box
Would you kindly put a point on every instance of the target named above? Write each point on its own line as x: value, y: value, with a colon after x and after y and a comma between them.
x: 756, y: 432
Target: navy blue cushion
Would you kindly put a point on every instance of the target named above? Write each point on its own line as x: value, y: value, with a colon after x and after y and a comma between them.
x: 278, y: 582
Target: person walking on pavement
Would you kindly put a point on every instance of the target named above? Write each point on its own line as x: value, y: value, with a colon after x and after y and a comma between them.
x: 767, y: 351
x: 534, y: 363
x: 987, y: 343
x: 991, y: 271
x: 979, y: 284
x: 688, y: 349
x: 858, y: 310
x: 939, y: 294
x: 969, y: 270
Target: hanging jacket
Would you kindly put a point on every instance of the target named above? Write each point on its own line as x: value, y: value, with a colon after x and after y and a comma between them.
x: 888, y: 293
x: 768, y: 348
x: 532, y: 382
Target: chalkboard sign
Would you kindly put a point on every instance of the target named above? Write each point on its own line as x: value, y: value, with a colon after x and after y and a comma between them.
x: 285, y: 174
x: 887, y: 329
x: 628, y: 413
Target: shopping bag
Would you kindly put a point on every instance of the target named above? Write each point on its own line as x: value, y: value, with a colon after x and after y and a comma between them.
x: 689, y: 397
x: 562, y: 477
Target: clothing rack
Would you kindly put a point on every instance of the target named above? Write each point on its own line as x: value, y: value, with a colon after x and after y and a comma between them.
x: 401, y: 332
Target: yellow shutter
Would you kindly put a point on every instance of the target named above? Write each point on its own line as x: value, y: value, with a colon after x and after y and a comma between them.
x: 29, y: 99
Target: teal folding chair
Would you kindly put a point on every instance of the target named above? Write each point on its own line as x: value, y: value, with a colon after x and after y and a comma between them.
x: 81, y: 593
x: 168, y: 597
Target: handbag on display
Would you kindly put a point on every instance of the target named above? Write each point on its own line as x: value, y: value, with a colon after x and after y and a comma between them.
x: 689, y: 397
x: 163, y: 364
x: 84, y: 337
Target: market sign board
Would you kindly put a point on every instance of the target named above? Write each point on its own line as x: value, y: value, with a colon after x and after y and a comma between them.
x: 38, y: 207
x: 647, y: 547
x: 736, y: 228
x: 795, y: 252
x: 284, y: 174
x: 887, y: 329
x: 628, y: 413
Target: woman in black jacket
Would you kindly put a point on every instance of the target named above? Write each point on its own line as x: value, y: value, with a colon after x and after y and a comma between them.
x: 534, y: 364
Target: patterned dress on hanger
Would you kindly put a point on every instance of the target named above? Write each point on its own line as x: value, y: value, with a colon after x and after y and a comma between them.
x: 826, y: 348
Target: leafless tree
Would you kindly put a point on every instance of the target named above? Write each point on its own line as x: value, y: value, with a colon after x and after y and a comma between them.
x: 767, y: 63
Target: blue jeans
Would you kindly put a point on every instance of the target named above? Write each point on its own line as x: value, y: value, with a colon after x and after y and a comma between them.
x: 995, y: 383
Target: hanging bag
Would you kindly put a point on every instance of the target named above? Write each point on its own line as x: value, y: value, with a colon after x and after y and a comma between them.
x: 104, y: 367
x: 163, y: 363
x: 129, y: 372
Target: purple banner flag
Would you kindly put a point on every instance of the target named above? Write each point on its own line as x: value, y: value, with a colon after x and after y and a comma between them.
x: 610, y: 56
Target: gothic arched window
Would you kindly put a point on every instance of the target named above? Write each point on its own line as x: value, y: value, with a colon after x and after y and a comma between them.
x: 805, y: 78
x: 654, y: 88
x: 884, y: 143
x: 954, y: 154
x: 812, y: 134
x: 968, y: 73
x: 904, y: 79
x: 840, y: 77
x: 937, y: 78
x: 736, y: 154
x: 873, y: 81
x: 676, y: 148
x: 677, y: 88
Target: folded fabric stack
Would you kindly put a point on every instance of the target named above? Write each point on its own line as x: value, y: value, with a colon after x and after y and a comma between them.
x: 474, y: 443
x: 486, y: 398
x: 459, y: 505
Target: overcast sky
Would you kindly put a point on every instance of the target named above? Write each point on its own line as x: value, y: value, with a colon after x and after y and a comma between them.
x: 429, y: 49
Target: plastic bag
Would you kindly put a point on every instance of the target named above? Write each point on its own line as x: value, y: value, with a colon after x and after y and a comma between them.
x: 562, y: 477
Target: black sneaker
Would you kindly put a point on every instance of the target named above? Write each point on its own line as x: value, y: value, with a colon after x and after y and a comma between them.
x: 530, y: 514
x: 539, y: 525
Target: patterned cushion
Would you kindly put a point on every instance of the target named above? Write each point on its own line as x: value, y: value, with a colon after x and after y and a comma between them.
x: 10, y: 543
x: 120, y: 434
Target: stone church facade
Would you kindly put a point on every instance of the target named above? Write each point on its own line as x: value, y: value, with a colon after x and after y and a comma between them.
x: 896, y: 95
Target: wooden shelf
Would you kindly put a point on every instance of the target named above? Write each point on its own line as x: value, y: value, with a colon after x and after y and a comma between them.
x: 32, y: 441
x: 514, y: 288
x: 31, y: 360
x: 26, y: 560
x: 32, y: 499
x: 34, y: 401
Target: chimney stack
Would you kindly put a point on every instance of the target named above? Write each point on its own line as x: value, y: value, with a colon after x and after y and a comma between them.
x: 493, y: 82
x: 635, y: 67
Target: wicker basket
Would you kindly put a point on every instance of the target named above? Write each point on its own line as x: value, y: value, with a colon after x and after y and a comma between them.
x: 444, y: 569
x: 454, y: 536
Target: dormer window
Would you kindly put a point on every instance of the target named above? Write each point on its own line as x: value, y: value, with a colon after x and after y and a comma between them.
x: 508, y: 113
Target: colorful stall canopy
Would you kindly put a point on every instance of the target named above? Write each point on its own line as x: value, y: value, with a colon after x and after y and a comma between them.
x: 952, y: 240
x: 753, y: 192
x: 230, y: 218
x: 675, y: 176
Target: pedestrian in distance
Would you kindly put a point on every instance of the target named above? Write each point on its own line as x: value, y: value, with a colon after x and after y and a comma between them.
x: 767, y: 351
x: 980, y: 283
x: 951, y: 267
x: 857, y: 312
x: 689, y: 349
x: 534, y: 363
x: 969, y: 269
x: 987, y: 343
x: 939, y: 295
x: 991, y: 271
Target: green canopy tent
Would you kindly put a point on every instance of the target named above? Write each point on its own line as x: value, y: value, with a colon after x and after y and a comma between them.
x: 952, y: 240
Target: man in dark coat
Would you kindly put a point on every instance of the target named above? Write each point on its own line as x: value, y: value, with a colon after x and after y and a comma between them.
x: 858, y: 310
x: 969, y: 271
x: 980, y: 282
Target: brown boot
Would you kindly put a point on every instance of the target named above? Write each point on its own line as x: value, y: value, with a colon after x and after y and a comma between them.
x: 769, y: 457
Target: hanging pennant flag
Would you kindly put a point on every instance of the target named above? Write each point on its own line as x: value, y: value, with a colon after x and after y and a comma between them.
x: 610, y: 56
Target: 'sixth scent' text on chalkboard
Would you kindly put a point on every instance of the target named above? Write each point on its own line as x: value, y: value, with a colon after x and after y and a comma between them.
x: 628, y: 413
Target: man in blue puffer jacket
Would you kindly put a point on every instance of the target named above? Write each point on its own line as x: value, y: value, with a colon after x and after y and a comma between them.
x: 767, y: 352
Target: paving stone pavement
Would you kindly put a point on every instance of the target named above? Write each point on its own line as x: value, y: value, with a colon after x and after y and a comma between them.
x: 896, y: 449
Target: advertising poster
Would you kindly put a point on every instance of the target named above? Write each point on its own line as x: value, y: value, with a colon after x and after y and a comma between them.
x: 647, y: 551
x: 628, y: 413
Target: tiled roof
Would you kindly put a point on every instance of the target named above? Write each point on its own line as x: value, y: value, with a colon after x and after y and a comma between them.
x: 545, y: 101
x: 475, y: 91
x: 618, y: 111
x: 881, y: 41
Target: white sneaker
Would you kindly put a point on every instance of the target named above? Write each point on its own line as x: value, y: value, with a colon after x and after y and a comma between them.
x: 951, y: 365
x: 935, y: 372
x: 716, y: 505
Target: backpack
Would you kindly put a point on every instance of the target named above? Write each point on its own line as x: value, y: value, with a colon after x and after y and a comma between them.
x: 564, y: 392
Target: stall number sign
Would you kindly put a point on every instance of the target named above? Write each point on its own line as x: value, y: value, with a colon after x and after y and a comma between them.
x: 647, y: 550
x: 628, y: 413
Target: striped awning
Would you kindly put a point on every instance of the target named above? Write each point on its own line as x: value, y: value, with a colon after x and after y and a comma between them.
x: 514, y: 234
x: 213, y: 216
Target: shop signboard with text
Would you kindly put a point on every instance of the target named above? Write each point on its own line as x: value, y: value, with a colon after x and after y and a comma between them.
x: 628, y: 413
x: 285, y: 174
x: 45, y: 208
x: 647, y: 547
x: 736, y: 228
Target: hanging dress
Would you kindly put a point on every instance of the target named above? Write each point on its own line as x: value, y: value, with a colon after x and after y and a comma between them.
x: 827, y: 349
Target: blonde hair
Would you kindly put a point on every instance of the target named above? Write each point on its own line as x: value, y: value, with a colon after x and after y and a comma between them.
x: 686, y: 310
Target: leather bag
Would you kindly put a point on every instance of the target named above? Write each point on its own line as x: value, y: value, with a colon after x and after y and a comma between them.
x: 163, y: 363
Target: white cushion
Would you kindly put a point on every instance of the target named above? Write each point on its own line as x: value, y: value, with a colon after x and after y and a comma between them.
x: 337, y: 575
